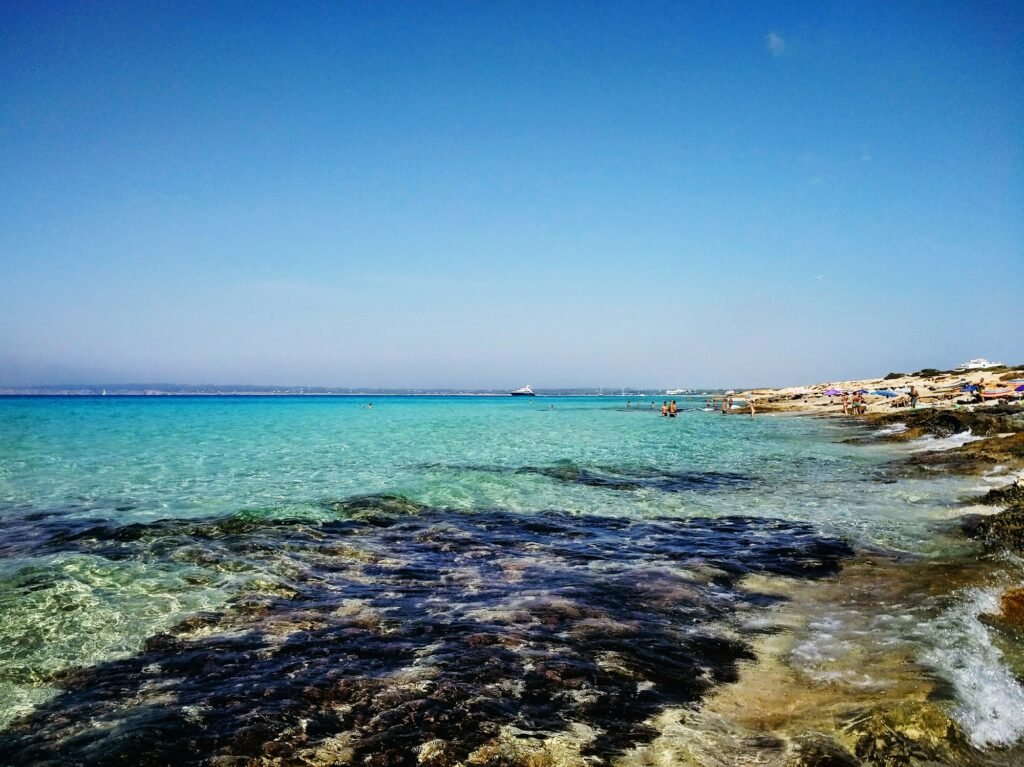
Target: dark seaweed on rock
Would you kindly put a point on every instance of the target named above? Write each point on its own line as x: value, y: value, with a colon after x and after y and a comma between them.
x: 1011, y: 495
x: 972, y: 458
x: 943, y: 423
x: 52, y: 532
x: 1004, y: 530
x: 619, y: 478
x: 384, y: 637
x: 622, y: 478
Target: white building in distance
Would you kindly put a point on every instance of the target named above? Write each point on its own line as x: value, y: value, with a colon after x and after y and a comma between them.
x: 979, y: 363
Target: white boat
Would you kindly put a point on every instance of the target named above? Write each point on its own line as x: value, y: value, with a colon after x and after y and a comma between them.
x: 526, y: 391
x: 677, y: 392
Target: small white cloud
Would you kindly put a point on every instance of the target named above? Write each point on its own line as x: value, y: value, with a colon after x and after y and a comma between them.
x: 776, y: 45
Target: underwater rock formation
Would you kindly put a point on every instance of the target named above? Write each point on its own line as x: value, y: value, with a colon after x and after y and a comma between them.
x: 817, y: 750
x: 906, y: 735
x: 400, y: 635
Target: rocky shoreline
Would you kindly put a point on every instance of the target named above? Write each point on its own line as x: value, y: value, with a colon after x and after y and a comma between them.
x: 906, y: 723
x: 997, y: 451
x: 993, y: 434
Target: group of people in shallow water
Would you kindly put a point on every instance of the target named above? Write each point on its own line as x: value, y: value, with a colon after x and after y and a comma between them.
x: 669, y: 409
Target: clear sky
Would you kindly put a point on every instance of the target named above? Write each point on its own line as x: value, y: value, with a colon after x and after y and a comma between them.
x: 487, y: 194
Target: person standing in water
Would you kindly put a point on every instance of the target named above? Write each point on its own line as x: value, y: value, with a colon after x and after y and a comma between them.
x: 664, y: 409
x: 672, y: 409
x: 750, y: 402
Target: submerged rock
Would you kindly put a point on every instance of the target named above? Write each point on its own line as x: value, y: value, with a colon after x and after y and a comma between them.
x: 435, y: 638
x: 906, y: 735
x: 818, y: 750
x: 364, y: 506
x: 619, y: 478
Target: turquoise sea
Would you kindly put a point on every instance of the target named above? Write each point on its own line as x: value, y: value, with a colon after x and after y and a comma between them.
x: 445, y: 580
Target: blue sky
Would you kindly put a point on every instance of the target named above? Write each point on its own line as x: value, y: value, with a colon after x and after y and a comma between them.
x: 489, y: 194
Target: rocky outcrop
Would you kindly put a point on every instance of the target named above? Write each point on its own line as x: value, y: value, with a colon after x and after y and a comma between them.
x: 1011, y: 606
x: 943, y: 423
x: 999, y: 531
x: 1011, y: 495
x: 975, y: 457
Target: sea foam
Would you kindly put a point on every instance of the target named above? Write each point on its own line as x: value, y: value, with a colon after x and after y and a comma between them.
x: 943, y: 443
x: 990, y: 698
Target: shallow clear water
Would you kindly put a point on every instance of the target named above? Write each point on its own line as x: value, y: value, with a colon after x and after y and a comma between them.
x: 423, y: 523
x: 133, y: 459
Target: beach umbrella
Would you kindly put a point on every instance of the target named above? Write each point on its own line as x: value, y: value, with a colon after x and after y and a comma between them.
x: 1020, y: 388
x: 971, y: 387
x: 832, y: 392
x: 885, y: 393
x: 861, y: 391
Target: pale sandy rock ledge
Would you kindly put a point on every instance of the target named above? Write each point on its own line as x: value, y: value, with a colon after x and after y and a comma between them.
x: 939, y: 390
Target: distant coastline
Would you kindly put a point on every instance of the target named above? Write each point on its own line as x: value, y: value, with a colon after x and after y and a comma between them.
x: 184, y: 390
